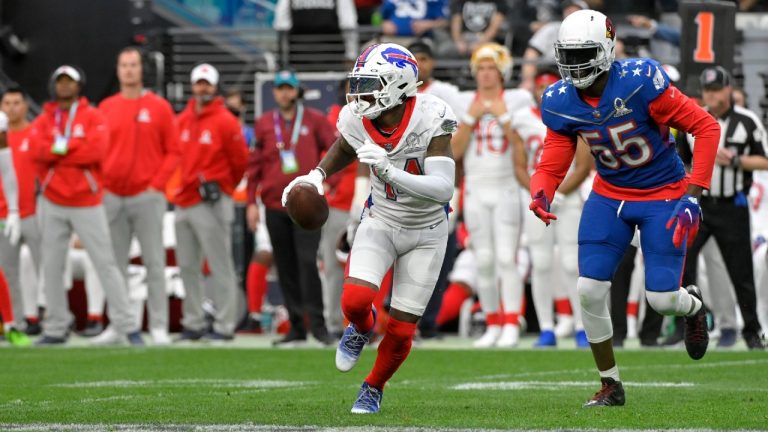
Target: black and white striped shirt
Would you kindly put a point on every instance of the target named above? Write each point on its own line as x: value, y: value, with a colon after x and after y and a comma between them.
x: 741, y: 131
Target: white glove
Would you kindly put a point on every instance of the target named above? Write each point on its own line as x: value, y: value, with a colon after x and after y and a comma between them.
x: 3, y: 122
x: 314, y: 177
x: 376, y: 157
x: 12, y: 228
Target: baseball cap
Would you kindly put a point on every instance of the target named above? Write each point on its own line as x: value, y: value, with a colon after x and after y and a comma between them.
x: 421, y: 46
x: 286, y: 77
x: 205, y: 72
x: 68, y: 71
x: 714, y: 78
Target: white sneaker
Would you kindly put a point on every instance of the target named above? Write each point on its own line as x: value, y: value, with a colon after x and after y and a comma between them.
x: 632, y: 327
x: 160, y: 337
x: 489, y: 338
x: 109, y: 336
x: 564, y: 327
x: 510, y: 336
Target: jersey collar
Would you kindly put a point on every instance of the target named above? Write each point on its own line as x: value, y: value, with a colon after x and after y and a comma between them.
x: 391, y: 142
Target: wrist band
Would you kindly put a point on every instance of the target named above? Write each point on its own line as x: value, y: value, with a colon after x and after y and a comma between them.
x: 736, y: 161
x: 322, y: 171
x: 505, y: 118
x: 468, y: 120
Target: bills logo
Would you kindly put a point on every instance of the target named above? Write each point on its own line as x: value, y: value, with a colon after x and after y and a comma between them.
x: 364, y: 56
x: 400, y: 59
x: 610, y: 31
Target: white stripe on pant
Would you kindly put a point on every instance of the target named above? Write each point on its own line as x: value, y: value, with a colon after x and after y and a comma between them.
x: 10, y: 262
x: 90, y: 224
x: 204, y: 230
x: 141, y: 215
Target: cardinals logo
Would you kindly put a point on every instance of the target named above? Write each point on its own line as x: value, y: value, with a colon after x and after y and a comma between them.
x: 610, y: 31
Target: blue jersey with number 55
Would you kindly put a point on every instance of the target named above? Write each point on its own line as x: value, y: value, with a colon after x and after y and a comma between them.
x: 630, y: 148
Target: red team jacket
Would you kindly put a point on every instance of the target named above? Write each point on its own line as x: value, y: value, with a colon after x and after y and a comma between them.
x: 18, y: 141
x: 73, y: 179
x: 265, y: 167
x: 212, y: 147
x: 143, y: 147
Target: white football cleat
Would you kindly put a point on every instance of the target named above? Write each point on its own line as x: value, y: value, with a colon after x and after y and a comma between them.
x: 510, y: 336
x: 489, y: 338
x: 564, y: 327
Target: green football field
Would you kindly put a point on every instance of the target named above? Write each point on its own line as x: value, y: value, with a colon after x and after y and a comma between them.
x: 235, y: 388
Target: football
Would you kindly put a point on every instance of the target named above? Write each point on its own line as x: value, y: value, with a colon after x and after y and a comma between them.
x: 307, y: 208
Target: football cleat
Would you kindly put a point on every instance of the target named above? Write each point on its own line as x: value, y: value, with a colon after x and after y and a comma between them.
x: 611, y: 394
x: 696, y: 334
x: 489, y: 338
x: 546, y: 339
x: 510, y: 336
x: 17, y: 338
x: 368, y: 400
x: 727, y: 338
x: 351, y: 345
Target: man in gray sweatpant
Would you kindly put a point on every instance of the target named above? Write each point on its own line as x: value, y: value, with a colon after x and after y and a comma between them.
x: 142, y: 155
x: 14, y: 105
x: 69, y: 140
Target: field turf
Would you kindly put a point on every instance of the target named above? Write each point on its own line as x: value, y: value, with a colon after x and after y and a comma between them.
x: 176, y: 388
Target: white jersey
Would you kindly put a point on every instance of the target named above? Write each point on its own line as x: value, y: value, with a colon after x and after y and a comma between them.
x: 527, y: 122
x: 488, y: 158
x: 449, y: 93
x: 426, y: 117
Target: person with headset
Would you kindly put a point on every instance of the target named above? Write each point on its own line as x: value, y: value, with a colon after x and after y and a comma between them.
x: 142, y: 155
x: 69, y: 141
x: 213, y: 160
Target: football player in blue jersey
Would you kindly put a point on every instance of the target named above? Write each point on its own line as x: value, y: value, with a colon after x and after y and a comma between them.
x: 623, y: 111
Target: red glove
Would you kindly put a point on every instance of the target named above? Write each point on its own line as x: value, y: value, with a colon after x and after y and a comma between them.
x: 540, y: 207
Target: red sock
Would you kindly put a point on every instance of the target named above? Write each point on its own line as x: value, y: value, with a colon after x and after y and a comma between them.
x: 95, y: 317
x: 257, y: 286
x: 356, y: 303
x: 493, y: 318
x: 393, y: 350
x: 511, y: 318
x: 563, y: 306
x: 33, y: 319
x: 453, y: 298
x: 632, y: 308
x: 6, y: 309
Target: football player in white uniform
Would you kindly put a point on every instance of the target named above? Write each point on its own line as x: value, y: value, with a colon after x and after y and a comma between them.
x: 405, y: 138
x: 529, y: 133
x: 492, y: 206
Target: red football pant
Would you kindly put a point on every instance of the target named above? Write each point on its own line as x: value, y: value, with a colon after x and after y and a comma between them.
x: 6, y: 308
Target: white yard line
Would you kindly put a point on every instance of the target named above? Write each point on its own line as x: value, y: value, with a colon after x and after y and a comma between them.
x: 80, y: 427
x: 553, y: 385
x: 215, y: 383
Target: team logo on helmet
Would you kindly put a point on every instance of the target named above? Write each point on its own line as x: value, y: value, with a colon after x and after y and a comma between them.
x: 364, y: 56
x: 610, y: 31
x: 400, y: 59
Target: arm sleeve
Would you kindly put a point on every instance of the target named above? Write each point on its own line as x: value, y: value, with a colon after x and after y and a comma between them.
x: 347, y: 13
x: 556, y: 159
x: 171, y: 148
x: 674, y: 109
x: 10, y: 187
x: 436, y: 185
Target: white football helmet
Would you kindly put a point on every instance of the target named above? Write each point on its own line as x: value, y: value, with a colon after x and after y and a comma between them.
x: 585, y: 47
x: 383, y: 77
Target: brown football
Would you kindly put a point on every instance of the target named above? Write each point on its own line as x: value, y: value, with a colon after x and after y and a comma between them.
x: 307, y: 208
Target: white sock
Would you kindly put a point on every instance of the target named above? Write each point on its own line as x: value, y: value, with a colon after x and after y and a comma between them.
x: 611, y: 373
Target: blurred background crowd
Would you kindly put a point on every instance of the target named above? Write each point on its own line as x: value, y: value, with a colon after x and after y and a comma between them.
x: 147, y: 139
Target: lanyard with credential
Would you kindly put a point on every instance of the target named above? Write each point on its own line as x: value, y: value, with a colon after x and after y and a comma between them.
x: 61, y: 142
x: 288, y: 155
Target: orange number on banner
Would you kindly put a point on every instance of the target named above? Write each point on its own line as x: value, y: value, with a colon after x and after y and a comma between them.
x: 704, y: 35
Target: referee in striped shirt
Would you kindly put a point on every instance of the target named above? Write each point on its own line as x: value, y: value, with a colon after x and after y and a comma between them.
x: 743, y: 149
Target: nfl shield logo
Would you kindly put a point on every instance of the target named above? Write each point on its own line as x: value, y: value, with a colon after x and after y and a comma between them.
x: 388, y: 147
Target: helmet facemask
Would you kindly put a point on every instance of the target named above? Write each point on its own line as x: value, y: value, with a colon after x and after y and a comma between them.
x: 582, y: 63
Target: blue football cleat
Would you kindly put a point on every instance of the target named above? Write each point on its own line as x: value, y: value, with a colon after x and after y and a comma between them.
x: 547, y: 339
x: 368, y: 400
x: 351, y: 346
x: 581, y: 339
